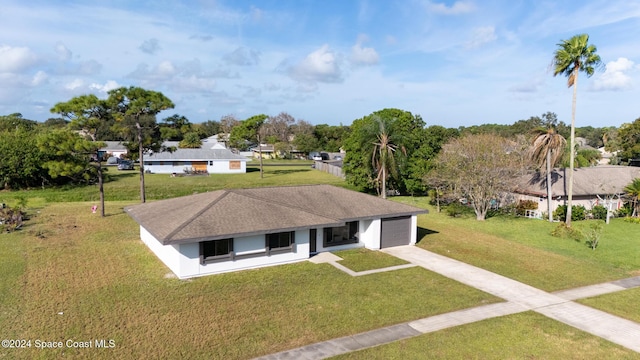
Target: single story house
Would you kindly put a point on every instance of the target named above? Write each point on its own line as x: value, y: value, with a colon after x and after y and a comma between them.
x: 113, y: 148
x: 235, y: 229
x: 217, y: 160
x: 588, y: 184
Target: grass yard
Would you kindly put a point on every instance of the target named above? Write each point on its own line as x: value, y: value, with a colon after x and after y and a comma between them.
x: 524, y: 250
x: 125, y: 186
x: 521, y: 336
x: 73, y: 275
x: 69, y: 274
x: 364, y: 259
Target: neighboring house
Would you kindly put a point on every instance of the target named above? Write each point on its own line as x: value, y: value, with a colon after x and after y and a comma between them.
x: 236, y: 229
x: 588, y: 184
x: 217, y: 160
x: 113, y: 148
x: 266, y: 151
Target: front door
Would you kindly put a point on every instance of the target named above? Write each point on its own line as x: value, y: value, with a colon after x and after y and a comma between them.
x: 313, y: 237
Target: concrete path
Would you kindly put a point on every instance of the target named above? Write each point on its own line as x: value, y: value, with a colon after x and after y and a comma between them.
x: 520, y: 297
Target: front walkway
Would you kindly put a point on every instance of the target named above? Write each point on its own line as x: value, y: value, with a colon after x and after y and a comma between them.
x: 520, y: 297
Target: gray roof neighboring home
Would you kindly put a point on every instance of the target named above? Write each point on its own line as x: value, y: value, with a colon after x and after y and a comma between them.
x: 243, y: 212
x: 587, y: 181
x: 195, y: 154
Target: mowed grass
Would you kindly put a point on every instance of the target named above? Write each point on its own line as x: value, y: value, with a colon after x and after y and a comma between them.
x: 362, y: 259
x: 526, y: 335
x: 74, y: 275
x: 125, y: 185
x: 524, y: 250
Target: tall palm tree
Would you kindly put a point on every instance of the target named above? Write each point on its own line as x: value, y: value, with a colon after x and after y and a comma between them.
x: 383, y: 157
x: 633, y: 192
x: 571, y: 57
x: 547, y: 149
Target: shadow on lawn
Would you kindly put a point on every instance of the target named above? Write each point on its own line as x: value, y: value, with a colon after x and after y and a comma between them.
x: 422, y: 232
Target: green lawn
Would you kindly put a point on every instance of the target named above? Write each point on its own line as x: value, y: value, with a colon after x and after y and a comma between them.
x: 363, y: 259
x: 521, y: 336
x: 73, y: 275
x: 524, y: 250
x: 70, y: 274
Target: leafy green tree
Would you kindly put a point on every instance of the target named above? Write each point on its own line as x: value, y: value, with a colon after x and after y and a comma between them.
x: 175, y: 127
x: 547, y: 150
x: 632, y: 191
x: 208, y: 128
x: 628, y: 141
x: 16, y: 121
x: 571, y: 57
x: 70, y: 155
x: 409, y: 130
x: 479, y: 168
x: 249, y: 131
x: 21, y: 160
x: 330, y: 137
x: 191, y: 140
x: 87, y: 114
x: 136, y: 104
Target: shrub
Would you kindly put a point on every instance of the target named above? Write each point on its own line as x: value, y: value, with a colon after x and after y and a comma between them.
x: 599, y: 212
x: 633, y: 220
x: 564, y: 231
x: 592, y: 235
x: 524, y: 205
x: 456, y: 209
x: 578, y: 212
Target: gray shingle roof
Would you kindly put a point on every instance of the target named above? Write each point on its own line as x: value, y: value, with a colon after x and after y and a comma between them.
x: 596, y: 180
x: 243, y: 212
x: 195, y: 154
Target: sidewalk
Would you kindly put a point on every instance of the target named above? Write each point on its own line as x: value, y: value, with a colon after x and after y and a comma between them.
x: 520, y: 297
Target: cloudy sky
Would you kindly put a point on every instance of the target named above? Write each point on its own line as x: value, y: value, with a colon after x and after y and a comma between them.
x: 455, y: 63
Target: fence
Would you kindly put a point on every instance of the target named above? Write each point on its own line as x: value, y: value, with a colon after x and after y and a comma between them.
x: 330, y: 168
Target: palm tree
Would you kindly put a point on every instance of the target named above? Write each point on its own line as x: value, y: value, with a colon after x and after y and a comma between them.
x: 547, y: 149
x: 571, y: 57
x: 633, y: 192
x: 383, y: 157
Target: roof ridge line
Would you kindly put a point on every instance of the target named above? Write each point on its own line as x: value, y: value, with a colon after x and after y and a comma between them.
x: 196, y: 215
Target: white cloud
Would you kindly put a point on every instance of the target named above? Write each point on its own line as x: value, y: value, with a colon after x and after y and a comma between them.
x: 16, y: 59
x: 615, y: 77
x: 482, y: 35
x: 63, y: 53
x: 363, y: 55
x: 459, y: 7
x: 74, y: 84
x: 39, y: 78
x: 150, y: 46
x: 322, y: 65
x: 109, y: 85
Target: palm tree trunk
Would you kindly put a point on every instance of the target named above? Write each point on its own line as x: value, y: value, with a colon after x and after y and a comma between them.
x: 384, y: 181
x: 549, y: 186
x: 572, y: 150
x: 260, y: 155
x: 141, y: 161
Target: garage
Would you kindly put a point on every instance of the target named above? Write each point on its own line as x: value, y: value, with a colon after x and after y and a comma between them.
x: 395, y: 231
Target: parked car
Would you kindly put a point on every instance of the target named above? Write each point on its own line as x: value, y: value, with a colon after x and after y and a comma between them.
x: 125, y: 165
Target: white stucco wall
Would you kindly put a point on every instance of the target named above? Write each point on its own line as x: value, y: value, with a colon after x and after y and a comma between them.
x: 168, y: 254
x: 370, y: 233
x: 414, y: 229
x: 188, y: 257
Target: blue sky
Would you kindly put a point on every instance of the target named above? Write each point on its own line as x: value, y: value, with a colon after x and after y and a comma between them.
x: 455, y: 63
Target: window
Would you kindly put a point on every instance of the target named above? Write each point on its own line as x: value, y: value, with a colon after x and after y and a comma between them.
x: 341, y: 235
x: 281, y: 242
x: 234, y: 165
x: 216, y: 250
